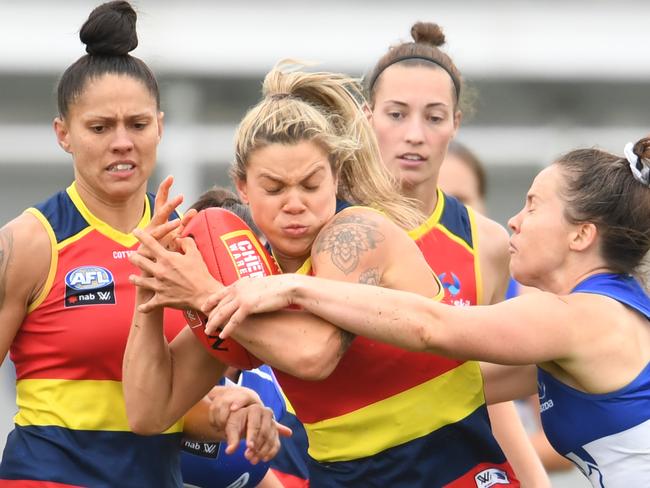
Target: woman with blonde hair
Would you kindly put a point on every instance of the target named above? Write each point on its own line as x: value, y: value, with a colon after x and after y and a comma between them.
x: 308, y: 165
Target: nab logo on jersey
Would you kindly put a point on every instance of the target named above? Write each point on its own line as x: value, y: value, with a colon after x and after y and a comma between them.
x: 89, y: 285
x: 204, y: 449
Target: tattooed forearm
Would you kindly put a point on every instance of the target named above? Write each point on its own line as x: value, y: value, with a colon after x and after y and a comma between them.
x: 6, y: 248
x: 346, y: 238
x: 370, y: 277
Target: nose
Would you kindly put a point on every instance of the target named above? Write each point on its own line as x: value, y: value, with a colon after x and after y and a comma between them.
x: 514, y: 222
x: 415, y: 131
x: 293, y: 203
x: 122, y: 142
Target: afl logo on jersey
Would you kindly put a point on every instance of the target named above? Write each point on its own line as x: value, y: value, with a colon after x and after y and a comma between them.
x: 89, y: 285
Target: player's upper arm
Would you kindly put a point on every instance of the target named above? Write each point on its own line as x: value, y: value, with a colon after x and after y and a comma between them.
x: 494, y: 259
x: 25, y: 254
x: 361, y: 245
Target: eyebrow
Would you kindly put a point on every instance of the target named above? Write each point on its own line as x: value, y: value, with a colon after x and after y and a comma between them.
x: 139, y: 115
x: 308, y: 176
x: 428, y: 105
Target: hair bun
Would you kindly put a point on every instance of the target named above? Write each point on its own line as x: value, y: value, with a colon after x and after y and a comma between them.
x: 110, y: 30
x: 427, y: 33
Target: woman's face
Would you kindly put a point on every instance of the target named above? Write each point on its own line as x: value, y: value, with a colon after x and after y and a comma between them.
x: 291, y: 191
x: 541, y: 234
x: 414, y: 119
x: 112, y: 131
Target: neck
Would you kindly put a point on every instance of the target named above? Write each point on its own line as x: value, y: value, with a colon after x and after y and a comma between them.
x: 562, y: 281
x: 121, y: 214
x: 425, y: 194
x: 289, y: 264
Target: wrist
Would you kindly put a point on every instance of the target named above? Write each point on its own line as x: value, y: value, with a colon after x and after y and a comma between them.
x: 298, y: 289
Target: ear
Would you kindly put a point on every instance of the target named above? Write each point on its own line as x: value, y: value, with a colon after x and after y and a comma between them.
x: 161, y: 117
x: 242, y: 190
x: 583, y: 237
x: 367, y: 112
x: 62, y: 133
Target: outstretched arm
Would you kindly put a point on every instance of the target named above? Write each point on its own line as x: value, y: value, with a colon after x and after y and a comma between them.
x: 538, y: 326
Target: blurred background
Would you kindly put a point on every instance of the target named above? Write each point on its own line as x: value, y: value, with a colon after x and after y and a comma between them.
x: 546, y: 76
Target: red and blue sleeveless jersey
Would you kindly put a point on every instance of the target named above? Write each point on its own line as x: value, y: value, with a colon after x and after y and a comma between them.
x: 386, y: 416
x: 71, y: 427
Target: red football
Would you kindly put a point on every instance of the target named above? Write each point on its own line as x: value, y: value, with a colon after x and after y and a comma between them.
x: 230, y: 251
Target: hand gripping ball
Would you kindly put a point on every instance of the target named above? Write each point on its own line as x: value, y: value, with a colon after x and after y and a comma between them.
x: 230, y: 251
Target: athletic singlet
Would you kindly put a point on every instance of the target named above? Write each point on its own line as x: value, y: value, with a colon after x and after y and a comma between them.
x: 606, y: 435
x: 448, y: 240
x: 397, y: 418
x: 71, y: 427
x: 204, y: 465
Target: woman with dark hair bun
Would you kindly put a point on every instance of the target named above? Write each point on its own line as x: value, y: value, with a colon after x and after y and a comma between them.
x: 582, y: 343
x: 65, y: 299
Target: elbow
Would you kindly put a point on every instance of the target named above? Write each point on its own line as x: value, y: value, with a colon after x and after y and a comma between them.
x: 144, y: 422
x: 317, y: 362
x: 140, y: 427
x: 144, y: 426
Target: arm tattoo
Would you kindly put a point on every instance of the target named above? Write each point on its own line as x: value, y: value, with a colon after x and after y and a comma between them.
x: 346, y: 238
x: 346, y: 340
x: 370, y: 277
x: 6, y: 248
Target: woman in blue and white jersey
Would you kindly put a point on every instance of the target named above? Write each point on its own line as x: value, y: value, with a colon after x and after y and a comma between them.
x: 582, y: 234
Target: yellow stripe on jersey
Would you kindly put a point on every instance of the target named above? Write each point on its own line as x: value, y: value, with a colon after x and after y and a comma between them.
x: 458, y: 240
x: 480, y: 299
x: 127, y: 240
x: 74, y: 238
x: 54, y: 259
x: 74, y: 404
x: 433, y: 219
x: 400, y: 418
x: 441, y: 289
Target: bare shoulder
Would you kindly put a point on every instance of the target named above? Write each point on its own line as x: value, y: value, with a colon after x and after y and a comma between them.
x: 364, y: 246
x: 494, y: 258
x: 25, y: 255
x: 351, y: 238
x: 493, y: 238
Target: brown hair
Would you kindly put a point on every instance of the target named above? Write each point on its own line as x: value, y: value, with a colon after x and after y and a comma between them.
x: 226, y: 199
x: 324, y: 108
x: 601, y: 188
x: 462, y: 152
x: 423, y: 51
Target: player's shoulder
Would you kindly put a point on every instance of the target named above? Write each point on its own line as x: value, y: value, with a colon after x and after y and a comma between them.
x: 26, y: 234
x: 25, y: 254
x: 364, y: 226
x: 493, y: 237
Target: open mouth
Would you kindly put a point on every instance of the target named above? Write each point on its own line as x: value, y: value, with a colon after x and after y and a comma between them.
x: 118, y: 167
